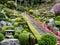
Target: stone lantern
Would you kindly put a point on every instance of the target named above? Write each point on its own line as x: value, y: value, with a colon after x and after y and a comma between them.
x: 8, y: 33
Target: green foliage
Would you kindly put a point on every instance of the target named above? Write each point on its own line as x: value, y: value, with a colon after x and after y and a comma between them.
x: 31, y: 11
x: 57, y: 18
x: 1, y: 6
x: 3, y: 1
x: 48, y: 39
x: 8, y: 20
x: 47, y: 1
x: 16, y: 24
x: 22, y: 8
x: 57, y: 23
x: 11, y: 4
x: 23, y: 38
x: 32, y: 40
x: 8, y: 11
x: 2, y: 16
x: 6, y: 28
x: 1, y: 37
x: 17, y: 33
x: 18, y: 19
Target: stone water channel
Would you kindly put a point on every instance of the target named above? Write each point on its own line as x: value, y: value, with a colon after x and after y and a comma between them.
x: 34, y: 23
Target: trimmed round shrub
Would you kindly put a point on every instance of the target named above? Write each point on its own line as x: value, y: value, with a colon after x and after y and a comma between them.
x: 48, y: 39
x: 16, y: 24
x: 23, y: 38
x: 57, y: 23
x: 31, y: 11
x: 1, y: 37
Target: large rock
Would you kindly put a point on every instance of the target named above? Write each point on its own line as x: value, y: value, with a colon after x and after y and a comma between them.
x: 56, y: 8
x: 10, y: 42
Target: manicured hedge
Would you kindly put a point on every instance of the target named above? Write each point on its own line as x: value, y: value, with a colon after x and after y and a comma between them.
x: 6, y: 28
x: 57, y: 23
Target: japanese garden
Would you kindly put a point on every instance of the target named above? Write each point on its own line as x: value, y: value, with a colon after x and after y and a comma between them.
x: 29, y: 22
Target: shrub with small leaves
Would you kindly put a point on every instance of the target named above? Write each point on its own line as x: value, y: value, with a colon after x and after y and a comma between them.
x: 48, y: 39
x: 23, y: 38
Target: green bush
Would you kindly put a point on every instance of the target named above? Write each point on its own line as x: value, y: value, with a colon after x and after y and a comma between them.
x: 6, y: 28
x: 57, y: 18
x: 18, y: 19
x: 1, y: 37
x: 1, y: 6
x: 22, y: 8
x: 23, y: 38
x: 57, y: 23
x: 31, y: 11
x: 47, y: 1
x: 8, y: 11
x: 2, y: 16
x: 16, y: 24
x: 48, y: 39
x: 8, y: 20
x: 11, y: 4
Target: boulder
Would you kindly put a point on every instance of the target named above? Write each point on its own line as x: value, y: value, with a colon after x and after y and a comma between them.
x: 55, y: 9
x: 10, y: 42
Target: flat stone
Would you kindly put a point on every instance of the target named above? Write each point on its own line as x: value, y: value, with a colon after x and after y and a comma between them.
x: 10, y: 42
